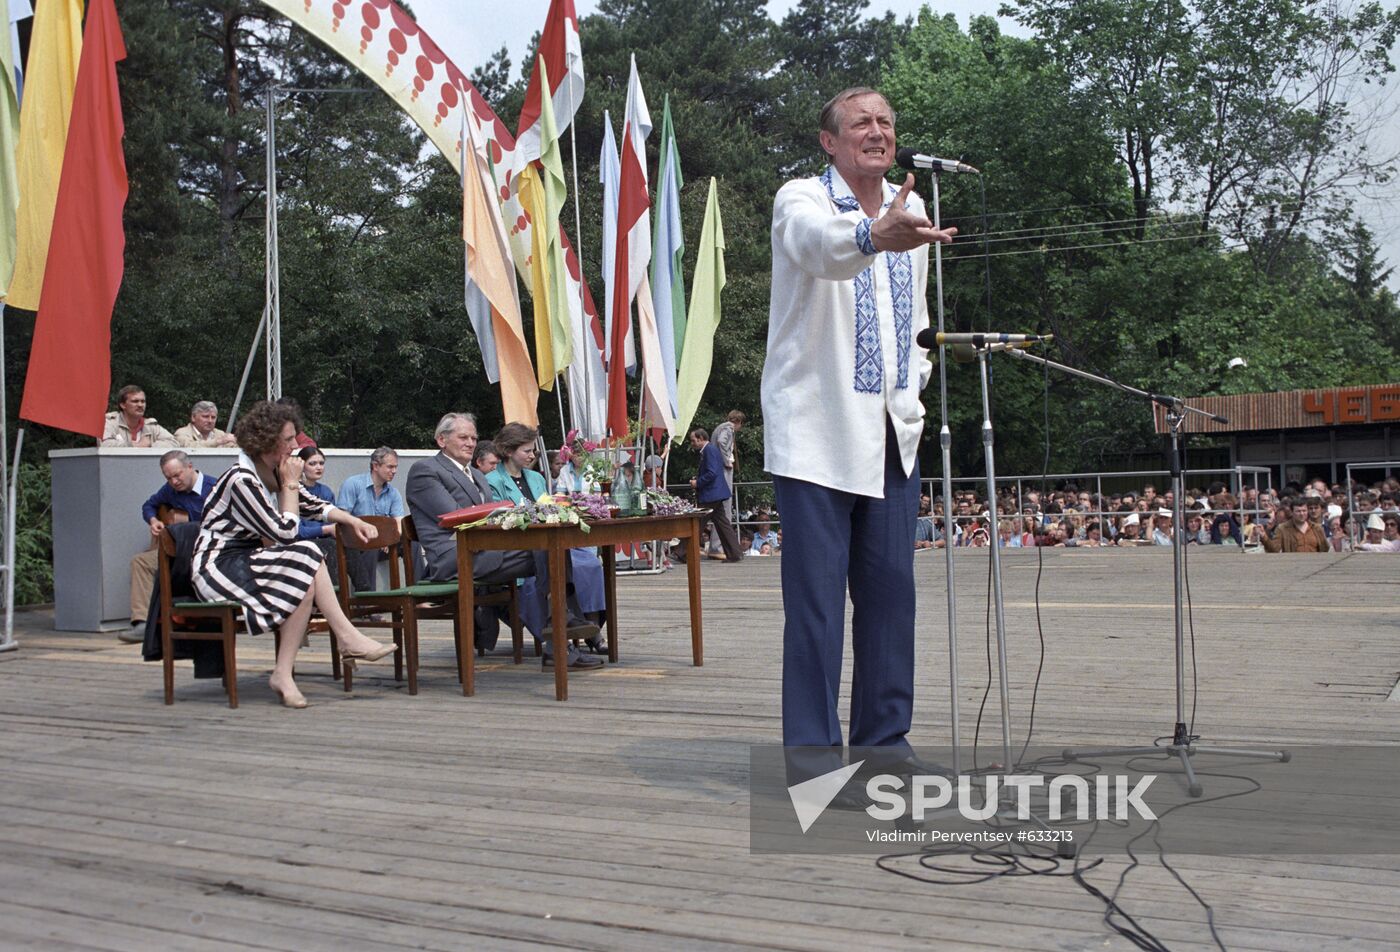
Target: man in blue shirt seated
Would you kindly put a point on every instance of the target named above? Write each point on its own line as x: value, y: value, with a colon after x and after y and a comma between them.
x: 184, y: 492
x: 369, y: 494
x: 764, y: 535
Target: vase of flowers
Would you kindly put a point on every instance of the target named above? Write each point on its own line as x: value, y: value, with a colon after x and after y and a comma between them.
x: 592, y: 462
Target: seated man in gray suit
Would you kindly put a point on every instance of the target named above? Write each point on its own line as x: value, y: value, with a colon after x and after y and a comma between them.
x: 446, y: 482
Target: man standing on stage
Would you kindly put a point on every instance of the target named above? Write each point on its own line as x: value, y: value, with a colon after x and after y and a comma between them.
x: 842, y: 421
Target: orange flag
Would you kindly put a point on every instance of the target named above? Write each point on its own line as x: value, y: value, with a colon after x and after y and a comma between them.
x: 491, y: 269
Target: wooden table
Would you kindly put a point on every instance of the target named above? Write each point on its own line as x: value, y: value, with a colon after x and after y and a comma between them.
x: 557, y: 540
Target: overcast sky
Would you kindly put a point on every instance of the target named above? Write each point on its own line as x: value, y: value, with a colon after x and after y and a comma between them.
x: 469, y: 31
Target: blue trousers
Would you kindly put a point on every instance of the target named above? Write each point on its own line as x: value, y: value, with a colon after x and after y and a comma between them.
x: 832, y: 540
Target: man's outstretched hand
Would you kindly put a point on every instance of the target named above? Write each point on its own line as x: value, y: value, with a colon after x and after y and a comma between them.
x: 899, y: 229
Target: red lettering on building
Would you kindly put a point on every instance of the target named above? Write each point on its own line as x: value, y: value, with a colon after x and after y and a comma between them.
x: 1324, y: 403
x: 1372, y: 405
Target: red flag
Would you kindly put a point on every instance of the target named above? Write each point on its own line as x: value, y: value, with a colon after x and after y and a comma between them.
x: 562, y: 56
x: 633, y: 243
x: 70, y: 364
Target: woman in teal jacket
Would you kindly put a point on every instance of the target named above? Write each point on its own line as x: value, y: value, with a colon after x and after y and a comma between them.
x: 513, y: 480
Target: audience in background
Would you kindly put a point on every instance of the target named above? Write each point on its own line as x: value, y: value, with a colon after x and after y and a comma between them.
x: 201, y: 431
x: 128, y: 424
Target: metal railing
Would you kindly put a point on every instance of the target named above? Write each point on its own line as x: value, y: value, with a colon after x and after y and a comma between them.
x: 1356, y: 529
x: 1238, y: 477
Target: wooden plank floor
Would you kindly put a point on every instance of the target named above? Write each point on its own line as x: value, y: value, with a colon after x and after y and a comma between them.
x: 618, y: 820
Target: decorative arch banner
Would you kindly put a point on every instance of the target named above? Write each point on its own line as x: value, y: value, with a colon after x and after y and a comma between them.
x: 381, y: 39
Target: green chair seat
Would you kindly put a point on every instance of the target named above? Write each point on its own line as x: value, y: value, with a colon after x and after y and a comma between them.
x: 420, y: 590
x: 176, y: 606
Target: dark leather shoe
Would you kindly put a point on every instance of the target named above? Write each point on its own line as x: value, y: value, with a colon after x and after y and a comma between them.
x: 915, y: 765
x: 852, y: 797
x: 910, y: 765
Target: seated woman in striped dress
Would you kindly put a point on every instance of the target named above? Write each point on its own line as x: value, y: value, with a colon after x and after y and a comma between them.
x: 260, y: 498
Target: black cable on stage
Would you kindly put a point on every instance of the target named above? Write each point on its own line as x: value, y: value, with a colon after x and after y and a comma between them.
x: 1190, y: 616
x: 1039, y: 571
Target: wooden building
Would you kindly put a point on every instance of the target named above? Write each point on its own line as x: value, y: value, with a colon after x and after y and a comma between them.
x: 1304, y: 434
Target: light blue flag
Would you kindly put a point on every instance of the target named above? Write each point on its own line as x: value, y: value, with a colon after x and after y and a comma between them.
x: 19, y: 10
x: 668, y: 250
x: 478, y: 305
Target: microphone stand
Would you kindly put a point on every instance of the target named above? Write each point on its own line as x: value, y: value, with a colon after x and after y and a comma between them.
x: 945, y: 441
x: 1183, y: 742
x: 994, y: 539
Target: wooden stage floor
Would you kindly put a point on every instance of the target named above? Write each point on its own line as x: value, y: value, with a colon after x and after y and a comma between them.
x: 618, y: 820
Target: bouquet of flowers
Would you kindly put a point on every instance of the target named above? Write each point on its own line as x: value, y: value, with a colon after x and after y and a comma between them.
x: 593, y: 463
x: 591, y: 505
x: 546, y: 510
x: 663, y: 503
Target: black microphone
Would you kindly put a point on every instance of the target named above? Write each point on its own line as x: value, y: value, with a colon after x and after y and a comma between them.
x: 909, y: 159
x: 930, y: 338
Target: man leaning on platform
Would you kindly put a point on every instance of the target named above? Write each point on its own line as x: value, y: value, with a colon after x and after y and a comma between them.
x: 183, y: 495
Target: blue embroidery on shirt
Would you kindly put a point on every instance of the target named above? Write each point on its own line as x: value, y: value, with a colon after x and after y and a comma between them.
x: 869, y: 369
x: 902, y: 293
x: 863, y: 242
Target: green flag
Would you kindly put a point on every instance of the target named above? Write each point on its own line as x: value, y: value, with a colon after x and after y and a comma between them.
x: 9, y: 140
x: 555, y: 194
x: 706, y: 286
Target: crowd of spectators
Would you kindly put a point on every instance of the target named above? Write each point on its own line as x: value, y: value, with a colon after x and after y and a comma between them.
x: 1315, y: 517
x: 1311, y: 517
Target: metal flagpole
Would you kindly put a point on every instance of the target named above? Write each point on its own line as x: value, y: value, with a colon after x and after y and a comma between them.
x: 8, y: 642
x: 7, y: 636
x: 558, y: 387
x: 585, y: 336
x: 272, y: 310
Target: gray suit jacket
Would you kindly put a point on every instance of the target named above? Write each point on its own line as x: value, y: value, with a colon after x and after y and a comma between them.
x: 437, y: 486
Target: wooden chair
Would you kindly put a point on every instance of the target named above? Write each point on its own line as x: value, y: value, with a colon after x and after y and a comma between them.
x: 395, y: 600
x: 227, y: 613
x: 439, y: 600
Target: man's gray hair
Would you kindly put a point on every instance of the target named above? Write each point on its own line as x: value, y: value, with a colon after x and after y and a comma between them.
x: 180, y: 455
x: 448, y: 423
x: 204, y: 406
x: 380, y: 455
x: 830, y: 120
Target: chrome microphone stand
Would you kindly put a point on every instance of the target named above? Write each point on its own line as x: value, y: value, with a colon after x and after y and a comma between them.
x: 945, y: 442
x: 1183, y: 741
x: 994, y: 537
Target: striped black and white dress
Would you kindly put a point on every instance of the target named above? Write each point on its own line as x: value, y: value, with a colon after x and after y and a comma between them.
x: 232, y: 564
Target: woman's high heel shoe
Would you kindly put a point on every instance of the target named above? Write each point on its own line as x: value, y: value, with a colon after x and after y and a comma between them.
x: 293, y: 699
x: 369, y: 654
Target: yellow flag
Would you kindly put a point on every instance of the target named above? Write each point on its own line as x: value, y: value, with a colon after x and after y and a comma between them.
x: 541, y: 189
x: 552, y: 184
x: 54, y: 49
x: 532, y: 197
